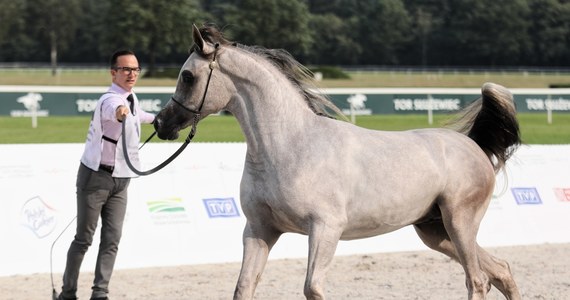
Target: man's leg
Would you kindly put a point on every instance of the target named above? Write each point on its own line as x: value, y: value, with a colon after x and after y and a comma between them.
x: 112, y: 216
x: 90, y: 199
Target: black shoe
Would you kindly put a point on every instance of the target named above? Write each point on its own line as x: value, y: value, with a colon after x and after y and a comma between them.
x: 100, y: 298
x: 61, y: 297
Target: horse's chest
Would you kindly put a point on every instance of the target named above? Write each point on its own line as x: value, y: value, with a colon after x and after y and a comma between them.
x: 274, y: 203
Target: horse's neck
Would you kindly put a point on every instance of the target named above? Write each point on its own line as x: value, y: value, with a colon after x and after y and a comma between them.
x: 270, y: 117
x: 271, y: 112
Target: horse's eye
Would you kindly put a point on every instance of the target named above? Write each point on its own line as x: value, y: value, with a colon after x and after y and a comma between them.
x: 187, y: 77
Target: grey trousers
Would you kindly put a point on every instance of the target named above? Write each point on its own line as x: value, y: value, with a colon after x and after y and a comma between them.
x: 98, y: 194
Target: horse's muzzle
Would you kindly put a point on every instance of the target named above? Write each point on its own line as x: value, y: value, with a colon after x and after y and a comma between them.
x: 162, y: 132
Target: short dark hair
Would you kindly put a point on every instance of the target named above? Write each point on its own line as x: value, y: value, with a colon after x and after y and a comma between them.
x: 118, y: 53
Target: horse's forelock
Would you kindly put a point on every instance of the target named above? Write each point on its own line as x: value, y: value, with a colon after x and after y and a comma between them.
x: 212, y: 34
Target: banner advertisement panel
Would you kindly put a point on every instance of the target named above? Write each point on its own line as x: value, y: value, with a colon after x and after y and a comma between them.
x: 21, y: 101
x: 190, y: 212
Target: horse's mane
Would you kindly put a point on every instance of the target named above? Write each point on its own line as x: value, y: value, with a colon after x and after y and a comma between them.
x: 300, y: 76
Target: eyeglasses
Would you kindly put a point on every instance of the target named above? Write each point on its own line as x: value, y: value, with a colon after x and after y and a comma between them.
x: 127, y: 70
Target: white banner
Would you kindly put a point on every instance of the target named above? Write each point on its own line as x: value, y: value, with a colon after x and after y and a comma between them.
x: 189, y: 212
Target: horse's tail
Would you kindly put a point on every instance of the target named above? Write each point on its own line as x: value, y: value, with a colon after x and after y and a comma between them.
x: 491, y: 122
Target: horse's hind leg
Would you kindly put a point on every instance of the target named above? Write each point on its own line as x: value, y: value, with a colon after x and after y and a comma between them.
x: 500, y: 274
x: 257, y: 242
x: 462, y: 224
x: 435, y: 237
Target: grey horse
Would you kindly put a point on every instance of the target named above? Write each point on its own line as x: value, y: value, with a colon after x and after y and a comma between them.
x: 311, y: 174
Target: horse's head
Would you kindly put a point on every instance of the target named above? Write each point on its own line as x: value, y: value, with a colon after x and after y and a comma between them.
x: 202, y: 88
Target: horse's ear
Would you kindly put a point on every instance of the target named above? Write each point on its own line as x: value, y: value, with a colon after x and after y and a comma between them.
x: 204, y: 47
x: 197, y: 36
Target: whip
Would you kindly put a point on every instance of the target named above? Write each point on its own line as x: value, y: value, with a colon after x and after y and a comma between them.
x: 54, y: 292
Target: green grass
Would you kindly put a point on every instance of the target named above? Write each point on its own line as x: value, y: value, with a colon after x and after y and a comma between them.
x: 466, y: 79
x: 534, y: 128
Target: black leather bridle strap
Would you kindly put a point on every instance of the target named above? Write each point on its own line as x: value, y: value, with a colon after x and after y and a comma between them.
x: 212, y: 66
x: 148, y: 139
x: 184, y: 106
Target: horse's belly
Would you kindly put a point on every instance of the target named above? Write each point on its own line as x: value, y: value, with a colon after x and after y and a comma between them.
x: 366, y: 233
x: 357, y: 229
x: 376, y: 216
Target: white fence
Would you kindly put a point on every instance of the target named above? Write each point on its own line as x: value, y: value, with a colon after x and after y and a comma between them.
x: 189, y: 212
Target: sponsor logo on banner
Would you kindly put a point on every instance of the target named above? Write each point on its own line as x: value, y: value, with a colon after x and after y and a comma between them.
x: 88, y: 105
x: 16, y: 171
x: 358, y: 107
x: 168, y: 211
x: 422, y: 104
x: 542, y: 104
x: 526, y: 196
x: 562, y: 194
x: 38, y: 216
x: 31, y: 102
x: 221, y: 207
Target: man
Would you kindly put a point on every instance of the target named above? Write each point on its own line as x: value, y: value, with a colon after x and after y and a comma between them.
x: 104, y: 176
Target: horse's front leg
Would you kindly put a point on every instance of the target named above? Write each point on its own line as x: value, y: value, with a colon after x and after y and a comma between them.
x: 323, y: 240
x: 257, y: 242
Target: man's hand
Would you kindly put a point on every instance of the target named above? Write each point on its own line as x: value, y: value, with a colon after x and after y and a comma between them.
x: 121, y: 113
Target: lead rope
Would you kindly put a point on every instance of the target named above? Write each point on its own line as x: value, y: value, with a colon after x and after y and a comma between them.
x: 164, y: 163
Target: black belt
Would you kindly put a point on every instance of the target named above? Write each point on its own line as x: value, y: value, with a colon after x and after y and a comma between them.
x: 107, y: 168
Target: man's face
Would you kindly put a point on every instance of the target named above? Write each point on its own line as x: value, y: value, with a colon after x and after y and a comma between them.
x: 126, y: 79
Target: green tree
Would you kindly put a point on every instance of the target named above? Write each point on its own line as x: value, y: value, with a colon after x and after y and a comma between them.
x: 550, y: 31
x: 152, y: 28
x: 12, y: 27
x: 10, y: 14
x: 54, y: 23
x: 88, y: 36
x: 424, y: 27
x: 485, y: 32
x: 333, y: 42
x: 323, y: 7
x: 270, y: 23
x: 383, y: 29
x: 366, y: 32
x: 426, y: 20
x: 345, y: 9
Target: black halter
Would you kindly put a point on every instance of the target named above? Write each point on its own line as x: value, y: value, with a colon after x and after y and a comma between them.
x: 197, y: 114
